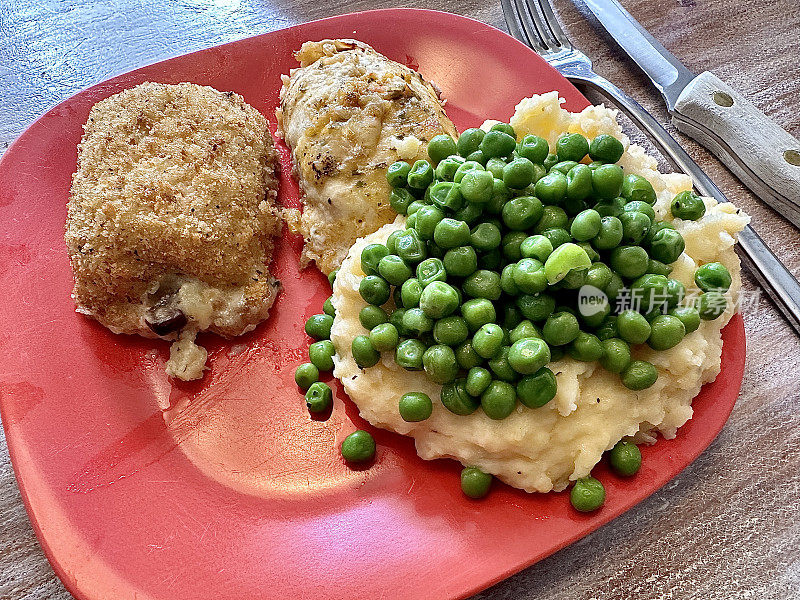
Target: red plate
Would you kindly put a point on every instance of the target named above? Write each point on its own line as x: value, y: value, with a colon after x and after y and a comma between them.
x: 234, y: 491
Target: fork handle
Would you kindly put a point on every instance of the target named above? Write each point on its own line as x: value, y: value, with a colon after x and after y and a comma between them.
x: 762, y: 154
x: 775, y: 279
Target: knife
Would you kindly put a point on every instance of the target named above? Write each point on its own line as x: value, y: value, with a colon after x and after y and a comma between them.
x: 765, y: 157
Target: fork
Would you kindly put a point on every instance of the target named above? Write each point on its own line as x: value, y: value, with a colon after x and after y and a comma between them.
x: 534, y: 24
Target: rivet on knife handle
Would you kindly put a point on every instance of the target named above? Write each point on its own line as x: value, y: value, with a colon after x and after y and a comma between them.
x: 763, y: 155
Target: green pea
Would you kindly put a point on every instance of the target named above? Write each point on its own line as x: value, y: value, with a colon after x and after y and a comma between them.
x: 497, y: 143
x: 438, y: 300
x: 633, y: 327
x: 625, y: 458
x: 415, y: 407
x: 640, y: 207
x: 332, y: 276
x: 374, y: 290
x: 550, y: 161
x: 527, y: 356
x: 573, y: 206
x: 608, y: 329
x: 656, y: 267
x: 416, y: 321
x: 518, y: 174
x: 455, y: 398
x: 394, y: 270
x: 522, y: 213
x: 477, y: 186
x: 364, y: 352
x: 610, y: 207
x: 667, y: 245
x: 440, y: 147
x: 328, y: 308
x: 587, y: 495
x: 607, y: 181
x: 440, y: 364
x: 430, y: 270
x: 495, y: 166
x: 397, y: 174
x: 560, y: 328
x: 305, y: 375
x: 637, y: 188
x: 629, y: 261
x: 446, y: 169
x: 319, y: 326
x: 469, y: 213
x: 469, y: 141
x: 586, y: 347
x: 579, y: 182
x: 372, y: 316
x: 635, y: 226
x: 616, y: 355
x: 565, y: 258
x: 713, y: 276
x: 384, y: 337
x: 478, y: 379
x: 536, y: 390
x: 396, y: 319
x: 482, y: 284
x: 524, y: 330
x: 711, y: 305
x: 460, y: 262
x: 552, y: 217
x: 586, y: 225
x: 485, y: 236
x: 572, y: 146
x: 505, y: 128
x: 536, y: 246
x: 499, y: 400
x: 689, y: 316
x: 421, y: 175
x: 610, y: 234
x: 371, y: 256
x: 478, y: 312
x: 478, y: 157
x: 655, y: 228
x: 511, y: 317
x: 446, y: 195
x: 529, y: 276
x: 650, y: 292
x: 408, y: 354
x: 411, y: 221
x: 557, y: 236
x: 465, y: 168
x: 428, y: 218
x: 466, y: 356
x: 666, y: 332
x: 488, y: 340
x: 639, y: 375
x: 410, y: 247
x: 358, y: 447
x: 573, y: 280
x: 601, y: 308
x: 319, y: 397
x: 536, y: 307
x: 534, y: 148
x: 400, y: 199
x: 565, y: 166
x: 321, y: 354
x: 450, y: 233
x: 606, y: 148
x: 475, y: 483
x: 450, y: 331
x: 687, y: 205
x: 598, y: 275
x: 507, y: 280
x: 552, y: 188
x: 675, y: 292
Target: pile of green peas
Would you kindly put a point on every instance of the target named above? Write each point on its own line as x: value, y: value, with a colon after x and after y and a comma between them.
x: 480, y: 290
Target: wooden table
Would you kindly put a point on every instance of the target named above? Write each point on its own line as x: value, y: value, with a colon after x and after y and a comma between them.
x: 728, y: 527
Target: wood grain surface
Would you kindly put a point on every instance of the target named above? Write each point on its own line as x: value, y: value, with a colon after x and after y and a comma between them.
x: 728, y: 527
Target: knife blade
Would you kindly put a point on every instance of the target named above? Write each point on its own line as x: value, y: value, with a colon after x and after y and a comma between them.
x: 713, y: 113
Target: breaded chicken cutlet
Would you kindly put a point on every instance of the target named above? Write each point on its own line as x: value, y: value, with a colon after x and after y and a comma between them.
x: 171, y: 217
x: 348, y: 113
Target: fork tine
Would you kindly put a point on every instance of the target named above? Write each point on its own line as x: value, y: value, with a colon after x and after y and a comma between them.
x: 533, y: 32
x: 540, y: 20
x: 514, y: 22
x: 553, y: 24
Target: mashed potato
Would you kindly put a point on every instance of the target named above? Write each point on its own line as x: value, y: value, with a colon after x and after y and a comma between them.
x: 543, y: 449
